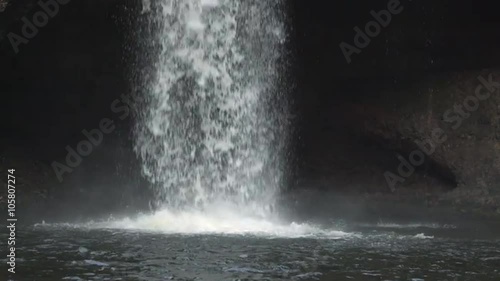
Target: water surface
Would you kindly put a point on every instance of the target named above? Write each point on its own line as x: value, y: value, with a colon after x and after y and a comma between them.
x: 364, y: 252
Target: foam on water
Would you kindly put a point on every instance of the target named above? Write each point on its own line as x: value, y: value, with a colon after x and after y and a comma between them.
x: 411, y: 225
x: 220, y: 221
x: 423, y: 236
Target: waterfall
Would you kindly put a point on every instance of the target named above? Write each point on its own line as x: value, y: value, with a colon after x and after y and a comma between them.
x: 212, y: 128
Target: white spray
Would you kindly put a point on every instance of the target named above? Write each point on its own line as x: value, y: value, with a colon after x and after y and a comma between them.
x: 212, y: 127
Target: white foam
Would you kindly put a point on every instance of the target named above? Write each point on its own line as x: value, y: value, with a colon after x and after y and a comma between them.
x: 410, y: 225
x: 222, y: 221
x: 209, y: 3
x: 96, y: 263
x: 423, y: 236
x: 83, y: 250
x: 146, y: 6
x: 194, y: 21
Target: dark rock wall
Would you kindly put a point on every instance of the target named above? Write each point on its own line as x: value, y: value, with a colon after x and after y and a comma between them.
x: 356, y: 117
x: 352, y: 119
x: 61, y: 82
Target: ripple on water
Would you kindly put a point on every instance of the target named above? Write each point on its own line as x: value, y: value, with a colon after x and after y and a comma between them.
x: 154, y: 255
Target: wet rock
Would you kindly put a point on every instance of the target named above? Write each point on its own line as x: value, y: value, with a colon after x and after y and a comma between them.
x: 469, y: 157
x: 33, y: 181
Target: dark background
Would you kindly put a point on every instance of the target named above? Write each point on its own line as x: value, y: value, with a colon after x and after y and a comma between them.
x: 427, y: 39
x: 64, y: 80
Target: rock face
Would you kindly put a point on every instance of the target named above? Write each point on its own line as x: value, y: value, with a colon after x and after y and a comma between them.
x: 445, y: 119
x: 412, y: 84
x: 3, y: 5
x: 61, y: 82
x: 440, y: 126
x: 33, y: 180
x: 360, y: 119
x: 110, y: 172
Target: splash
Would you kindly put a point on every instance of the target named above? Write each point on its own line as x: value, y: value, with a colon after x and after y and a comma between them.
x: 221, y: 220
x: 211, y: 128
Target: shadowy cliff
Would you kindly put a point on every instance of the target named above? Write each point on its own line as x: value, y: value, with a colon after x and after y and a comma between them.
x: 354, y: 120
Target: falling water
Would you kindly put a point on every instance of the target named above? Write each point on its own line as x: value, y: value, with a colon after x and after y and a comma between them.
x: 212, y: 128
